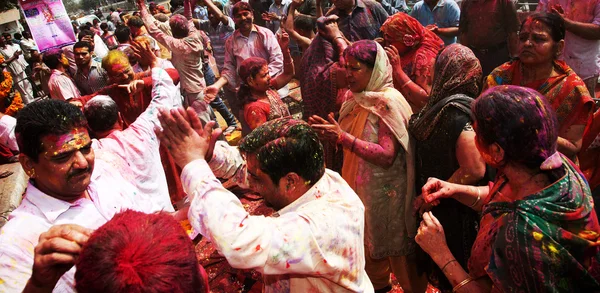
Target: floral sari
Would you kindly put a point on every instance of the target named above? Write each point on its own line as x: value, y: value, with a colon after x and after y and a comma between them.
x: 566, y: 92
x: 545, y: 242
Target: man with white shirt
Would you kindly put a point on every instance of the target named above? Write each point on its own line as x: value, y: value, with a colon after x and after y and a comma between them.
x: 72, y: 189
x: 314, y: 243
x: 16, y: 65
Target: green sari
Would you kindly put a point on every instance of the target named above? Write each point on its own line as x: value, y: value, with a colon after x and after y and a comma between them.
x: 546, y: 242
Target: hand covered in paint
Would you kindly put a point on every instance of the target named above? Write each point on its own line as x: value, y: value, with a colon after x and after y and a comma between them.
x: 420, y: 206
x: 328, y: 27
x: 557, y: 9
x: 284, y: 40
x: 327, y: 130
x: 56, y: 252
x: 431, y: 237
x: 393, y: 56
x: 184, y: 135
x: 142, y: 51
x: 133, y: 87
x: 432, y: 27
x: 435, y: 189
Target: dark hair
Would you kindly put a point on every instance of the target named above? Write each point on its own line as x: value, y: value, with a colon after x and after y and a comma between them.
x: 123, y: 33
x: 101, y: 113
x: 111, y: 9
x: 83, y: 44
x: 17, y: 36
x: 241, y: 6
x: 179, y: 26
x: 103, y: 26
x: 135, y: 21
x: 555, y: 23
x: 42, y: 118
x: 85, y: 33
x: 305, y: 23
x: 248, y: 69
x: 52, y: 58
x: 95, y: 21
x: 137, y: 252
x: 518, y: 119
x: 286, y: 145
x: 365, y: 51
x: 26, y: 34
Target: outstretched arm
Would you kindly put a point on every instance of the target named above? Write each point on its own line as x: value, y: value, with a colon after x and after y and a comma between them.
x: 288, y: 64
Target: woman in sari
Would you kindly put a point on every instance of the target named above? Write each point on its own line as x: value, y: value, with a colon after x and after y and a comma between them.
x: 539, y: 231
x: 445, y: 148
x: 412, y: 49
x: 541, y: 40
x: 378, y: 162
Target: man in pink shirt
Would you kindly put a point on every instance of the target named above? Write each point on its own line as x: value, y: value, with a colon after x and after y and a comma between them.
x: 61, y: 86
x: 73, y: 189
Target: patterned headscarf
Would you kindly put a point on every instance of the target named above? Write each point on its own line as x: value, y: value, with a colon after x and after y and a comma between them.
x: 457, y: 74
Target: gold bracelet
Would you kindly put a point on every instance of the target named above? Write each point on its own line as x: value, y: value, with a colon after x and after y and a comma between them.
x: 478, y: 197
x: 462, y: 284
x: 444, y: 267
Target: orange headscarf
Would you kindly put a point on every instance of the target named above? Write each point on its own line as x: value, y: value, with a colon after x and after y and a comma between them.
x: 423, y: 44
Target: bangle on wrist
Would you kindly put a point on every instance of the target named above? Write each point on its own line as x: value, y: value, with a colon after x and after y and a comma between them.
x: 444, y: 267
x: 462, y: 284
x: 478, y: 197
x: 353, y: 143
x: 405, y: 84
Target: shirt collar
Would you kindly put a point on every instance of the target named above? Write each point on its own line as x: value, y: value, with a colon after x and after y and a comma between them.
x: 51, y: 207
x: 254, y: 30
x: 359, y: 3
x: 441, y: 3
x: 320, y: 188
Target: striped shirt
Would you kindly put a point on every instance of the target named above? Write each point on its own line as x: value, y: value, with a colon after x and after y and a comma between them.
x: 95, y: 80
x: 218, y: 35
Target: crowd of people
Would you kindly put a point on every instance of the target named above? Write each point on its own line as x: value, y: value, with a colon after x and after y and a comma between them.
x: 449, y: 147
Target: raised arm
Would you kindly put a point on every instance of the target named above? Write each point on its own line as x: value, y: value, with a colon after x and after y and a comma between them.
x: 288, y: 64
x: 288, y: 25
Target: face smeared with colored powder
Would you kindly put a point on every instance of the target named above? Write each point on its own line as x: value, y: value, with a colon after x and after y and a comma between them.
x: 65, y: 167
x: 536, y: 45
x: 121, y: 72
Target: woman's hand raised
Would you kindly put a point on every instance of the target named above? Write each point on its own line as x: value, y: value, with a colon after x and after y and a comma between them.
x: 327, y: 130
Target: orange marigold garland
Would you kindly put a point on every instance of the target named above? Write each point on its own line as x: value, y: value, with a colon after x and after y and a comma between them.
x: 5, y: 91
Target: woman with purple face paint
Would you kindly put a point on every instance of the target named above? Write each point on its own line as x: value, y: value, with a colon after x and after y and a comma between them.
x: 539, y: 231
x: 378, y: 163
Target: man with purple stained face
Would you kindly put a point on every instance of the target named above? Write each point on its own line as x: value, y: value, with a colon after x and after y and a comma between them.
x: 73, y: 188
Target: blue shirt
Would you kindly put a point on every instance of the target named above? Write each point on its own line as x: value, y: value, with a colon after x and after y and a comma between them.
x: 445, y: 14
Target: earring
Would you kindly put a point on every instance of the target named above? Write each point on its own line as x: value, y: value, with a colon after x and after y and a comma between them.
x: 31, y: 174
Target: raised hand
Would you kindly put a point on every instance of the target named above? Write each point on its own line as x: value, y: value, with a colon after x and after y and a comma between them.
x: 393, y: 56
x: 186, y: 143
x: 142, y: 51
x: 283, y: 39
x: 327, y: 130
x: 328, y: 27
x: 56, y: 252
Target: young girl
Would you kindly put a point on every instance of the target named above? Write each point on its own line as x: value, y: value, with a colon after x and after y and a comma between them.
x: 258, y: 91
